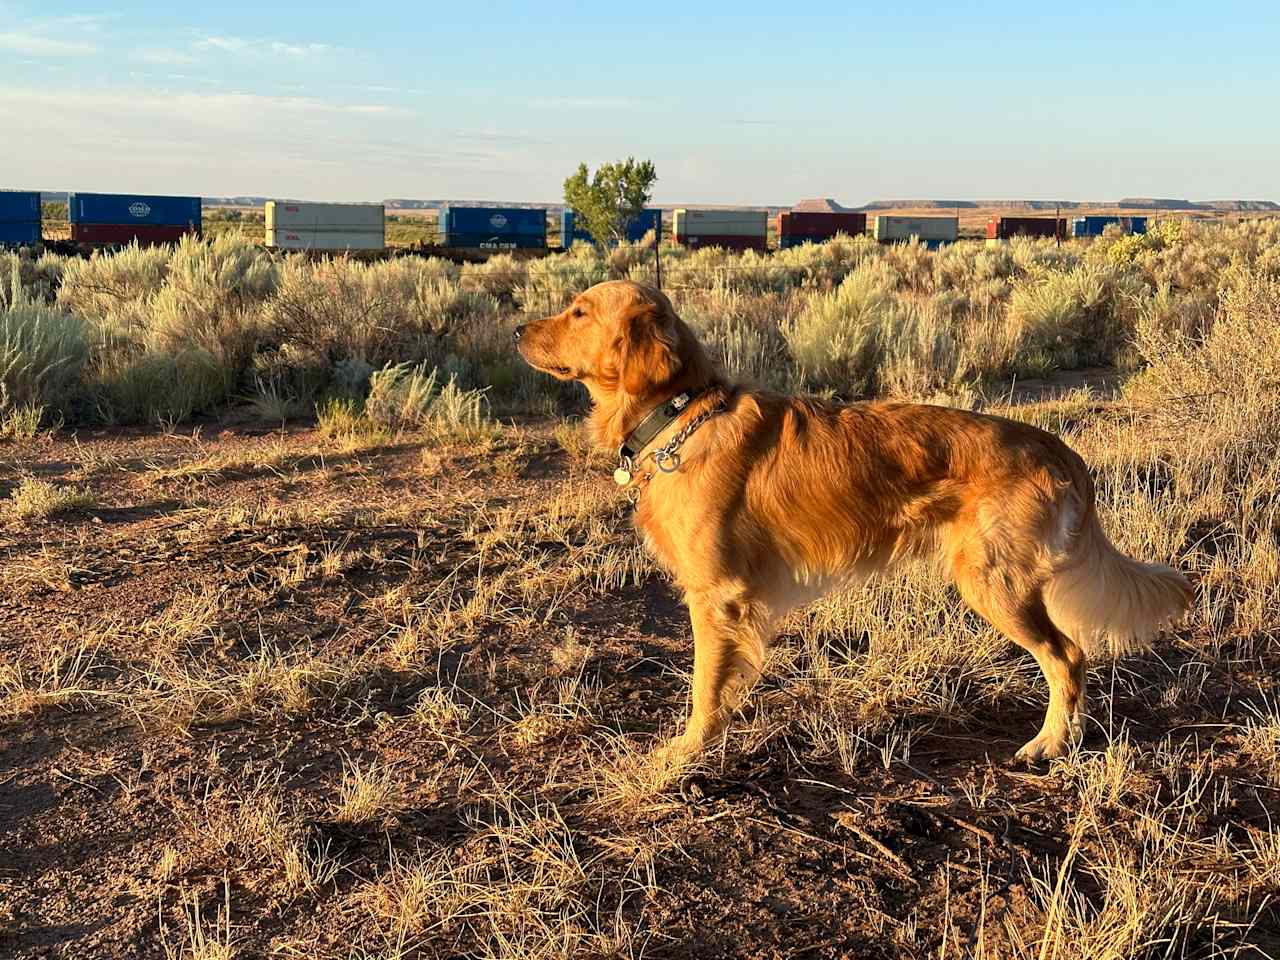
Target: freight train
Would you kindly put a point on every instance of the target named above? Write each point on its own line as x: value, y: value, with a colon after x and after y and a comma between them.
x: 98, y: 220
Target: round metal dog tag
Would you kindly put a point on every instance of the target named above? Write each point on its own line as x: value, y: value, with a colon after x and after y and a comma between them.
x: 622, y: 476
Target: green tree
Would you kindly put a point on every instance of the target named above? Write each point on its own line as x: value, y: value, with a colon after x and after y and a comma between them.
x: 605, y: 202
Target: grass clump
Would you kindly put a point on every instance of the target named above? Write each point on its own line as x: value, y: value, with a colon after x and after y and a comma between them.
x: 35, y: 499
x: 408, y: 398
x: 19, y: 422
x: 42, y: 352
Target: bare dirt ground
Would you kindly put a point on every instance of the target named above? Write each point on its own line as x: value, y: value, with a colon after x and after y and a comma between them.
x: 269, y: 696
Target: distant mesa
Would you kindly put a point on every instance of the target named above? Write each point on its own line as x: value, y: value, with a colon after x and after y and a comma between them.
x: 821, y: 205
x: 937, y: 204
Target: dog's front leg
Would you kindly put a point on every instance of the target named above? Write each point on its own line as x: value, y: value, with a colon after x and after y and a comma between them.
x: 730, y: 636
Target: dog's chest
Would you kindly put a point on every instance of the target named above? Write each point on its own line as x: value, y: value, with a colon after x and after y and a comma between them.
x: 676, y: 526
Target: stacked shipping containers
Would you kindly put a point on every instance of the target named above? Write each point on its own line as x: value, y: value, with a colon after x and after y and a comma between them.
x: 933, y: 232
x: 571, y: 232
x: 493, y: 228
x: 325, y: 226
x: 19, y: 218
x: 799, y: 226
x: 730, y: 229
x: 1002, y: 228
x: 111, y: 218
x: 1094, y: 226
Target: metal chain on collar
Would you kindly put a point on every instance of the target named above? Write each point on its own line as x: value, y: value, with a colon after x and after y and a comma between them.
x: 666, y: 458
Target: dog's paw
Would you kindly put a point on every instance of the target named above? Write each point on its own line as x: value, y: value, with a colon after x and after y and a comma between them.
x: 677, y: 751
x: 1044, y: 747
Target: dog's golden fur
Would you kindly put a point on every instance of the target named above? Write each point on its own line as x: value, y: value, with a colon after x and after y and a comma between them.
x: 779, y: 498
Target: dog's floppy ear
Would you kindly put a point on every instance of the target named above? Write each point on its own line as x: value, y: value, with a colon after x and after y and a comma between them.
x: 649, y: 359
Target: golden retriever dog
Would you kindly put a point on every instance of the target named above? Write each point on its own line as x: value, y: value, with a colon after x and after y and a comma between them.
x: 757, y: 503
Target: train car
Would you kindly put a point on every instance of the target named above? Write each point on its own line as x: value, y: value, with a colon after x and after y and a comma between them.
x: 119, y: 218
x: 571, y: 231
x: 1002, y: 228
x: 19, y: 218
x: 730, y: 229
x: 493, y: 228
x: 933, y: 232
x: 325, y: 226
x: 1094, y: 226
x: 803, y: 226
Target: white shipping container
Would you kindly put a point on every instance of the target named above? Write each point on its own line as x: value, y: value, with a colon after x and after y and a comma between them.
x: 282, y: 238
x: 926, y: 228
x: 362, y: 217
x: 723, y: 223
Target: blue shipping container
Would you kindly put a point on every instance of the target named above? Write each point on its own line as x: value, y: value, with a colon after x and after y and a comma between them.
x: 508, y: 227
x: 1094, y: 226
x: 637, y: 227
x: 19, y: 206
x: 494, y: 241
x: 119, y: 208
x: 19, y: 234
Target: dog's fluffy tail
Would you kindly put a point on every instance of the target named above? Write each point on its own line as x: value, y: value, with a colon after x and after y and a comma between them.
x: 1110, y: 603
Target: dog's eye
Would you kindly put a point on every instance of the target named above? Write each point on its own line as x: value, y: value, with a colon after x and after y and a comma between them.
x: 577, y: 312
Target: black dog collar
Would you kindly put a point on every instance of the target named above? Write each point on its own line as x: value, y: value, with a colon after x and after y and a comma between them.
x: 658, y: 420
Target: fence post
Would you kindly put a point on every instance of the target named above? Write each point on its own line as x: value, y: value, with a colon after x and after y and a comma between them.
x: 657, y: 250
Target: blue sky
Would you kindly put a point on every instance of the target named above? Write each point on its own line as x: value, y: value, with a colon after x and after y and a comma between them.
x: 734, y: 102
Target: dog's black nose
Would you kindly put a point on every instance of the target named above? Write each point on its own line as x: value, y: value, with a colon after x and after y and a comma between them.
x: 519, y: 332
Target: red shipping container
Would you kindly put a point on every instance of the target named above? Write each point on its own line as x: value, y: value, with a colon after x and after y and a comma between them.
x: 796, y: 223
x: 147, y: 235
x: 1002, y: 228
x: 728, y: 242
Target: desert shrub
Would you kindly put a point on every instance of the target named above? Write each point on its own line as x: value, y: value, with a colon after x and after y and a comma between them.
x: 24, y: 277
x: 109, y: 283
x: 406, y: 397
x: 157, y: 387
x: 836, y: 339
x: 746, y: 272
x: 1228, y: 379
x: 500, y: 276
x: 42, y: 352
x: 1066, y: 320
x: 824, y: 265
x: 211, y: 302
x: 743, y: 333
x: 920, y: 354
x: 969, y: 266
x: 912, y: 263
x: 438, y: 269
x: 625, y: 257
x: 552, y: 282
x: 381, y: 313
x: 1176, y: 313
x: 1038, y: 256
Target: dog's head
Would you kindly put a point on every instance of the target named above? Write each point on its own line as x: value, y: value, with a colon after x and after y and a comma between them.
x: 623, y: 340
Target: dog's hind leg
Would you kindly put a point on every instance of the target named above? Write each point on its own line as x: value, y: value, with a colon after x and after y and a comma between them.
x: 731, y: 633
x: 1017, y: 610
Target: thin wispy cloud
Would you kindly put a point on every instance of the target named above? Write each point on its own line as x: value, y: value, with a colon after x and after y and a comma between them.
x: 299, y: 50
x: 225, y: 44
x: 584, y: 103
x: 185, y: 104
x: 163, y: 57
x: 261, y: 48
x: 36, y: 45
